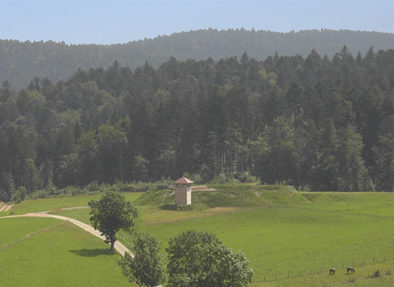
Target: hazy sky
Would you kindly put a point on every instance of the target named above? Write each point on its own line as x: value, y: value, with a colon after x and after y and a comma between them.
x: 121, y: 21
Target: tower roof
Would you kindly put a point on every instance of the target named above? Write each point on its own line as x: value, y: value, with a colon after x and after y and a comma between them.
x: 183, y: 180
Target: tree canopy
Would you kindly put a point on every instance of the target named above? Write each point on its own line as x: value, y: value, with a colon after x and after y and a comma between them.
x: 23, y: 61
x: 313, y: 123
x: 200, y: 259
x: 111, y: 213
x: 145, y: 268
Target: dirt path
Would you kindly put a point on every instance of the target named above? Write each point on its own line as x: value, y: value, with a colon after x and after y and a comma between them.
x: 118, y: 245
x: 6, y: 208
x: 75, y: 207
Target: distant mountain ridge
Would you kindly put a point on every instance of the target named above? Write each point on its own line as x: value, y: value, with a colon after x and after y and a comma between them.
x: 20, y: 62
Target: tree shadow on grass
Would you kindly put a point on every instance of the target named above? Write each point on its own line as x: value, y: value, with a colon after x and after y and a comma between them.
x: 92, y: 252
x: 168, y: 207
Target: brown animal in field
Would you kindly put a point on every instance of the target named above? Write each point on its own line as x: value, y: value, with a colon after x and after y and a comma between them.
x: 332, y: 271
x: 350, y: 269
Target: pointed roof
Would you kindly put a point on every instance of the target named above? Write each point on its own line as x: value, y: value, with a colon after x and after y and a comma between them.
x: 183, y: 180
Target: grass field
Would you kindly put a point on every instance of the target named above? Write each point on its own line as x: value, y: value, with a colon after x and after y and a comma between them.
x: 290, y: 241
x: 47, y: 252
x: 362, y: 278
x: 57, y: 203
x: 294, y: 240
x: 283, y: 242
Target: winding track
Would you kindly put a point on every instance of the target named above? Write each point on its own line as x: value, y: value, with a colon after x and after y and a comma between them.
x: 118, y: 245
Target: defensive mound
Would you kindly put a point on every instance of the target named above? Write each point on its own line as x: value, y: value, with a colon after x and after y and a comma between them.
x: 234, y: 195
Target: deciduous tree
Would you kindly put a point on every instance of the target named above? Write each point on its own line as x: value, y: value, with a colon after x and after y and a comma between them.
x: 200, y: 259
x: 110, y: 214
x: 145, y: 268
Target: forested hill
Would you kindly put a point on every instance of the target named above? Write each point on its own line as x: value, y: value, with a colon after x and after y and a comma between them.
x: 21, y: 62
x: 314, y: 122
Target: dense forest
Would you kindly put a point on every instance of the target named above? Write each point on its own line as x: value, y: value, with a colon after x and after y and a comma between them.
x: 22, y: 61
x: 313, y: 122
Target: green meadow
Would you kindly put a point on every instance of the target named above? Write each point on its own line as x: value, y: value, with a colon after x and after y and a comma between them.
x: 57, y: 203
x: 290, y: 238
x: 292, y: 241
x: 47, y: 252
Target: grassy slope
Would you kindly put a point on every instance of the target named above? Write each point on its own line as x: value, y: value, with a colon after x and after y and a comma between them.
x: 237, y: 195
x: 62, y: 255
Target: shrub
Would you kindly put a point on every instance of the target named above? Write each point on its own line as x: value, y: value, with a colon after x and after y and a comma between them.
x: 39, y: 194
x: 136, y: 186
x: 246, y: 177
x: 20, y: 194
x: 51, y: 188
x: 223, y: 178
x: 4, y: 196
x: 93, y: 186
x: 162, y: 186
x: 196, y: 177
x: 169, y: 207
x: 194, y: 206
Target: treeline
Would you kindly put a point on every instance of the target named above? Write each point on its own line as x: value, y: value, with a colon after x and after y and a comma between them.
x: 314, y: 123
x: 22, y: 61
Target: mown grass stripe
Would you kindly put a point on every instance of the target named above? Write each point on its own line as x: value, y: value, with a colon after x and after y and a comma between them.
x: 27, y: 236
